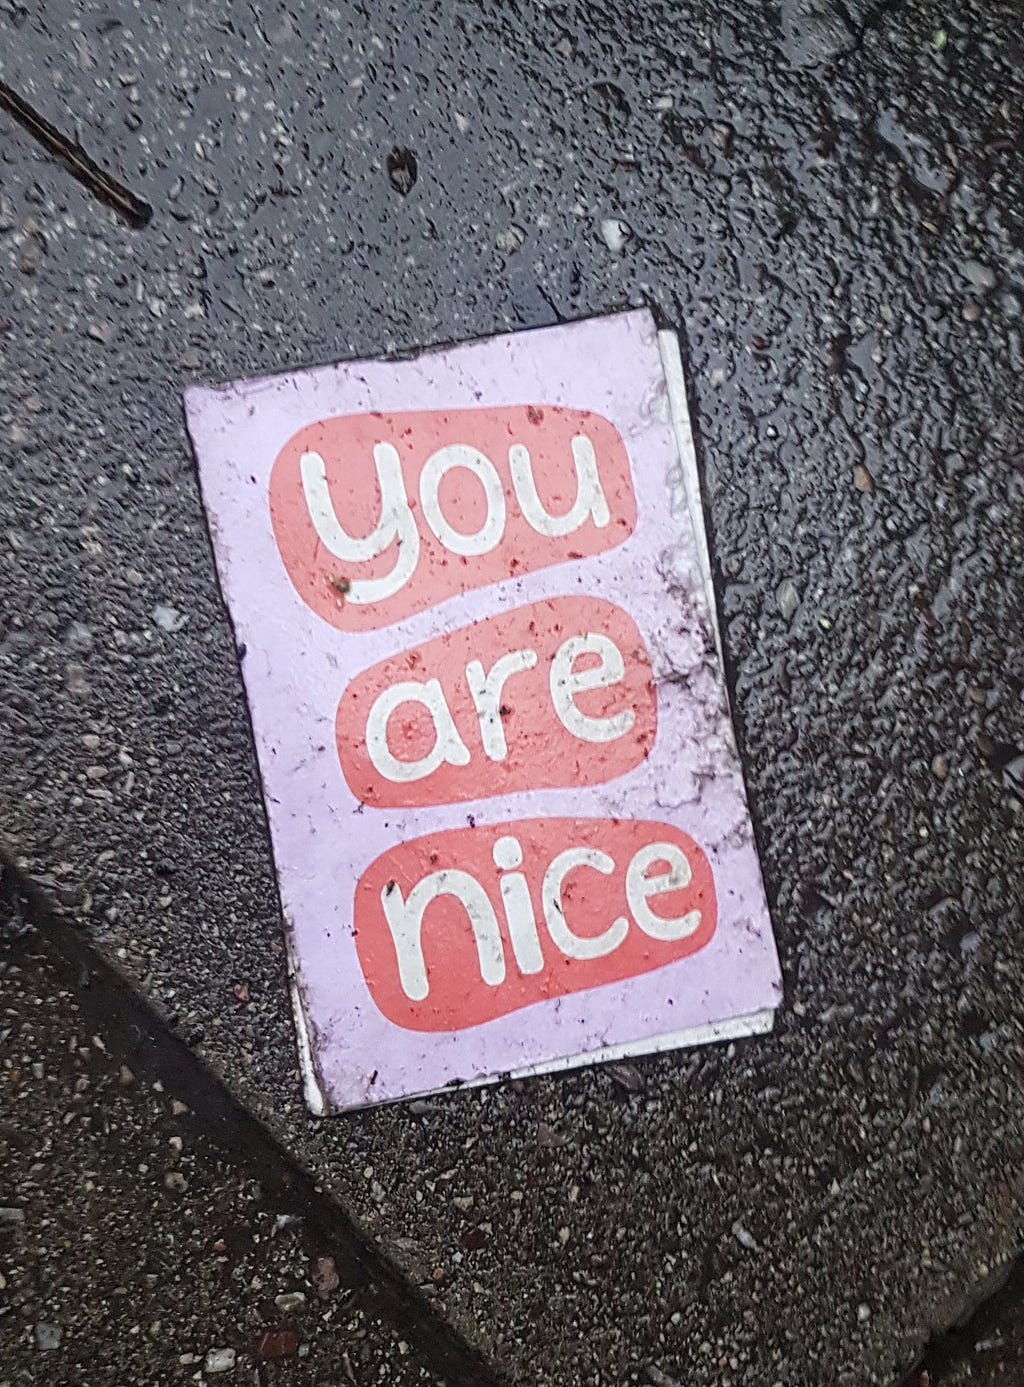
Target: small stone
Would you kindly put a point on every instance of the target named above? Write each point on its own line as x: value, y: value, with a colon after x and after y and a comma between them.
x: 9, y: 1215
x: 78, y: 637
x: 48, y: 1337
x: 863, y: 1313
x: 788, y: 598
x: 980, y: 275
x: 168, y: 618
x: 463, y: 1202
x: 940, y: 767
x: 863, y: 480
x: 615, y: 233
x: 659, y: 1379
x: 325, y: 1276
x: 402, y: 170
x: 510, y: 239
x: 32, y: 251
x: 178, y: 1107
x: 627, y: 1076
x: 125, y: 1076
x: 971, y: 942
x: 174, y: 1180
x: 971, y: 313
x: 77, y: 683
x: 744, y: 1238
x: 101, y: 332
x: 278, y: 1343
x: 219, y: 1360
x: 290, y: 1301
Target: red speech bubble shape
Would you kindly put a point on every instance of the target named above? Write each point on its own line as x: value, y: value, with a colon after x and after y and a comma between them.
x: 378, y: 516
x: 459, y: 927
x: 557, y: 693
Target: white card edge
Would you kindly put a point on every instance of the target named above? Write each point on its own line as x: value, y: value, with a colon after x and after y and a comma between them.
x: 733, y: 1028
x: 675, y: 383
x: 313, y: 1094
x: 709, y: 1033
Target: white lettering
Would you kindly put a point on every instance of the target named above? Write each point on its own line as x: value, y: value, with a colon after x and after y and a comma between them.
x: 590, y: 499
x: 405, y: 920
x: 639, y: 886
x: 566, y: 684
x: 448, y: 745
x: 396, y: 525
x: 574, y: 945
x: 437, y: 466
x: 487, y: 689
x: 515, y: 896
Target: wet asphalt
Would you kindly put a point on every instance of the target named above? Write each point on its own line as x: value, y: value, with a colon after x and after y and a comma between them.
x: 826, y: 202
x: 131, y: 1250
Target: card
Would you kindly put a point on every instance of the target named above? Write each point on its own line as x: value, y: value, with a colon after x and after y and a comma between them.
x: 472, y: 600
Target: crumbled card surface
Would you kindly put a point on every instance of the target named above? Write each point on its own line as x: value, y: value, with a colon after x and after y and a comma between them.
x: 471, y: 595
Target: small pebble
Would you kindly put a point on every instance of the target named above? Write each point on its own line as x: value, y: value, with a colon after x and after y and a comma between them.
x: 863, y: 480
x: 48, y: 1337
x: 168, y: 618
x: 627, y: 1076
x: 744, y: 1238
x: 788, y: 598
x: 980, y: 275
x: 289, y: 1301
x: 971, y: 313
x: 78, y: 636
x: 278, y: 1343
x: 325, y: 1276
x: 940, y: 767
x: 32, y: 251
x: 615, y: 234
x: 219, y: 1360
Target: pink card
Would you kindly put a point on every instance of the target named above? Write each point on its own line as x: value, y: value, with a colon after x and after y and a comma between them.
x: 471, y: 593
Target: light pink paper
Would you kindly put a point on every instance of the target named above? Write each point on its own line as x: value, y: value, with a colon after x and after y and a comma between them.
x: 297, y: 666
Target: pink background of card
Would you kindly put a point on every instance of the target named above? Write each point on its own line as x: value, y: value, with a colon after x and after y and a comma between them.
x: 296, y: 666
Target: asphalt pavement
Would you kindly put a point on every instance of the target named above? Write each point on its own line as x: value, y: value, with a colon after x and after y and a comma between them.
x: 826, y: 202
x: 131, y: 1250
